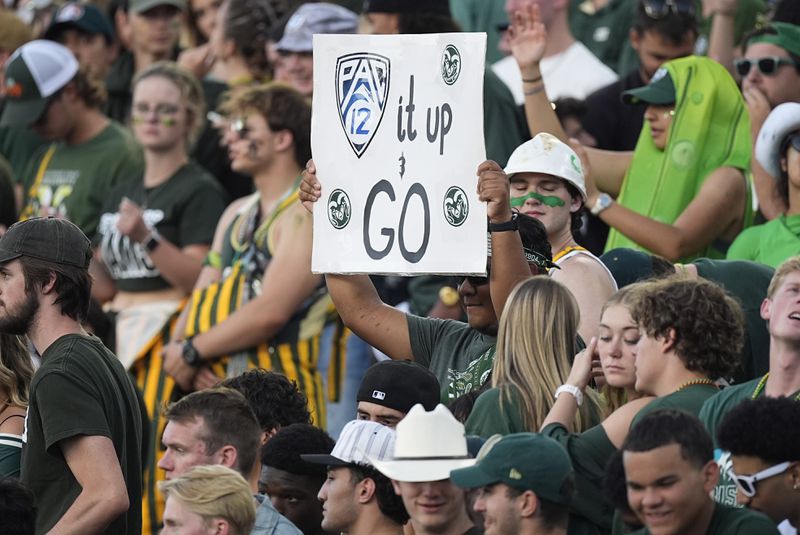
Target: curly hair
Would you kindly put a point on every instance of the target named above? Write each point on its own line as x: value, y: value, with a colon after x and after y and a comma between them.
x: 766, y: 428
x: 283, y: 450
x: 276, y: 401
x: 389, y: 503
x: 707, y: 324
x: 16, y: 370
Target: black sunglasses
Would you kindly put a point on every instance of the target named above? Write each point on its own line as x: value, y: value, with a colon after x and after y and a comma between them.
x: 767, y: 66
x: 658, y: 9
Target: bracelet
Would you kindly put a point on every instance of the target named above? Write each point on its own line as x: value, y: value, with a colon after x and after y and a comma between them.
x: 534, y: 91
x: 572, y: 390
x: 532, y: 80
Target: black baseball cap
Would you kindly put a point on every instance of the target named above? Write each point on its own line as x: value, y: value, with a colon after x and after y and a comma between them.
x: 399, y: 385
x: 84, y: 17
x: 51, y: 239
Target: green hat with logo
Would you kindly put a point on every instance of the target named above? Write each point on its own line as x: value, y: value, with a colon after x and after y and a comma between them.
x: 34, y: 74
x: 524, y: 461
x: 140, y: 6
x: 781, y: 34
x: 659, y: 92
x: 46, y: 238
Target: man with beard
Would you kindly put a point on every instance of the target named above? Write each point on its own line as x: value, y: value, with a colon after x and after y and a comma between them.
x: 83, y: 433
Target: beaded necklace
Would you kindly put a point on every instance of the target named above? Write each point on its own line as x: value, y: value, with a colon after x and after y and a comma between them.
x: 694, y: 382
x: 762, y: 383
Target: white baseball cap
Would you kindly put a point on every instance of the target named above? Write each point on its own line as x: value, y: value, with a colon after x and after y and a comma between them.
x: 359, y: 442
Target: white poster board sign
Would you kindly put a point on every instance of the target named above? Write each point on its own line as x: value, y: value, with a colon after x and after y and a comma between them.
x: 397, y: 137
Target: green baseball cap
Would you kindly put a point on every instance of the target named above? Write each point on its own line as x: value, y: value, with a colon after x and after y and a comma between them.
x: 34, y: 74
x: 140, y: 6
x: 524, y: 461
x: 782, y: 34
x: 660, y: 91
x: 46, y: 238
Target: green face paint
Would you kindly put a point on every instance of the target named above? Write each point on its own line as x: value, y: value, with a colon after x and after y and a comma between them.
x: 168, y: 121
x: 548, y: 200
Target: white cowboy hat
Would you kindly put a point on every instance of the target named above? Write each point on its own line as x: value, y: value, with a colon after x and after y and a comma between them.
x: 781, y: 122
x: 428, y: 446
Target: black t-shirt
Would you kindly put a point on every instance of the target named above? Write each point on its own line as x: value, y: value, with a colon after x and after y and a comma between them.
x: 615, y: 125
x: 80, y: 389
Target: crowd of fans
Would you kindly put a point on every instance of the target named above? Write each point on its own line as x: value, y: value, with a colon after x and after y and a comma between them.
x: 630, y: 362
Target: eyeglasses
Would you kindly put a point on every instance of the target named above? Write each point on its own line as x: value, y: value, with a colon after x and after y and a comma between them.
x: 747, y: 484
x: 658, y: 9
x: 767, y: 66
x: 478, y: 280
x: 160, y: 110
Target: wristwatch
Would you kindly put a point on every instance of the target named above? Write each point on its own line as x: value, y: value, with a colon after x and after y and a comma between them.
x: 152, y: 240
x: 190, y: 354
x: 508, y: 226
x: 448, y: 296
x: 603, y: 201
x: 573, y: 390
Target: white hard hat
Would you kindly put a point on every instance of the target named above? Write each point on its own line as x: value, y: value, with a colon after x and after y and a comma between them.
x: 548, y: 155
x: 782, y: 121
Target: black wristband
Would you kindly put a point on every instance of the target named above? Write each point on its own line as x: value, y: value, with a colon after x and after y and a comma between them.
x: 190, y: 354
x: 508, y: 226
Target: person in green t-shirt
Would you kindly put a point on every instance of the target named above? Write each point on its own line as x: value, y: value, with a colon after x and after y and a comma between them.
x: 88, y: 154
x: 82, y: 457
x: 781, y: 309
x: 778, y: 152
x: 459, y: 354
x: 670, y: 471
x: 762, y: 436
x: 156, y: 229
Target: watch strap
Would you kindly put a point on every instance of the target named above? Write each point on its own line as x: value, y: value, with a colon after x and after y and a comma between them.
x: 508, y: 226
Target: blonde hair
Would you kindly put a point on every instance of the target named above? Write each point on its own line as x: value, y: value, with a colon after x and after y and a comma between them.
x: 614, y: 397
x: 535, y: 345
x: 786, y: 267
x: 190, y: 89
x: 16, y: 370
x: 214, y: 491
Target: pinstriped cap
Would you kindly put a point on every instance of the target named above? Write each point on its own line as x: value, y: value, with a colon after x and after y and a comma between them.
x: 358, y: 441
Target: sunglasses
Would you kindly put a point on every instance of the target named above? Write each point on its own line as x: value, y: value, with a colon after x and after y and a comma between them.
x: 658, y: 9
x: 767, y: 66
x: 747, y: 484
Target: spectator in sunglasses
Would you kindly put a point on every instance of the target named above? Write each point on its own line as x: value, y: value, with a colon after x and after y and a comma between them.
x: 770, y: 71
x: 762, y: 437
x: 778, y: 151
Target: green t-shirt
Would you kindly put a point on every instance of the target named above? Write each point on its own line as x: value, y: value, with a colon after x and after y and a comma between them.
x: 689, y: 399
x: 494, y: 414
x: 748, y: 283
x: 589, y: 452
x: 604, y: 31
x: 482, y: 16
x: 770, y: 243
x: 184, y: 210
x: 80, y: 389
x: 17, y: 143
x: 504, y: 126
x: 458, y: 355
x: 734, y: 521
x: 79, y: 178
x: 712, y: 414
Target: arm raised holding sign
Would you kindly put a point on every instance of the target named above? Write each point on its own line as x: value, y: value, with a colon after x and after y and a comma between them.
x: 459, y: 354
x: 358, y: 303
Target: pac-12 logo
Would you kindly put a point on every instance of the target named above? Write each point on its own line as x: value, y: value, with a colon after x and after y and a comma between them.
x: 362, y: 85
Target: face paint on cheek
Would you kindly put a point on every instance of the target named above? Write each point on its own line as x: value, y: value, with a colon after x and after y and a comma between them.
x: 547, y: 200
x: 168, y: 121
x: 138, y: 119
